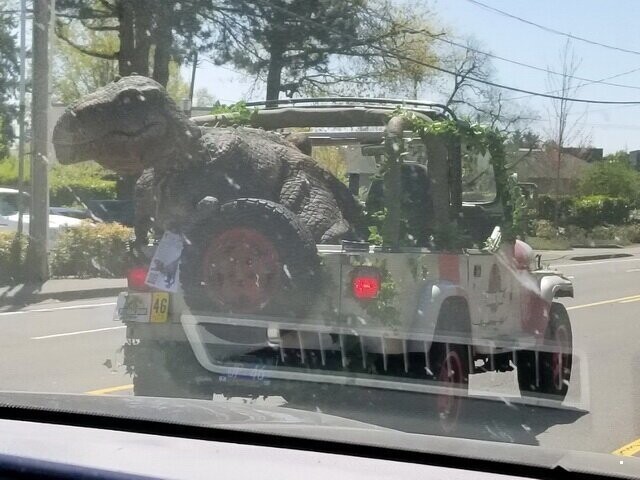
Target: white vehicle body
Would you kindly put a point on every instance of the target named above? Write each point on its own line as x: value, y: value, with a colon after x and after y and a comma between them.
x: 9, y: 217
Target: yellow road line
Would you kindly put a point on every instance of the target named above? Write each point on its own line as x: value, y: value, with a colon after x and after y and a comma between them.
x: 637, y: 299
x: 629, y: 450
x: 104, y: 391
x: 604, y: 302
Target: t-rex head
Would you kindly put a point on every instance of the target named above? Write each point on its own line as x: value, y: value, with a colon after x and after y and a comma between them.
x: 126, y: 126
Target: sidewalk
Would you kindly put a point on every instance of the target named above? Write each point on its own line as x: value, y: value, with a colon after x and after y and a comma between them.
x: 587, y: 254
x: 62, y: 289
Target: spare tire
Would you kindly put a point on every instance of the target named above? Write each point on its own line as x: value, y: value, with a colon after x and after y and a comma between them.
x: 253, y: 256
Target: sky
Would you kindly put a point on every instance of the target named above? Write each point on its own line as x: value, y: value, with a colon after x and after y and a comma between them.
x: 613, y: 22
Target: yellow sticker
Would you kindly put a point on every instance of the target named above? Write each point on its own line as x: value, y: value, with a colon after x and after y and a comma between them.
x: 159, y: 308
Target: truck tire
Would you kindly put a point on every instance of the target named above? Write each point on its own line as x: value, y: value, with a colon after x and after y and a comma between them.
x: 449, y: 363
x: 253, y: 256
x: 554, y: 368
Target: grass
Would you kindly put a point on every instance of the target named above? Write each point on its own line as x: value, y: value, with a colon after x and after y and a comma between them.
x: 559, y: 243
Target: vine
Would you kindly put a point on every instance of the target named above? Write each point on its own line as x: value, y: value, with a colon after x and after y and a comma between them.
x: 239, y: 112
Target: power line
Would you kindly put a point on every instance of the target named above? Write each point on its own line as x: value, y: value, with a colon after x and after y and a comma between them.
x: 450, y: 72
x: 552, y: 30
x: 541, y: 69
x: 601, y: 81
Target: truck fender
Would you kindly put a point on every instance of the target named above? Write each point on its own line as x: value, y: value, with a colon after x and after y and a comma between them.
x: 433, y: 297
x: 555, y: 286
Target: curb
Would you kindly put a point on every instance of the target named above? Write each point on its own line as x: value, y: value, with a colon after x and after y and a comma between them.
x: 26, y: 298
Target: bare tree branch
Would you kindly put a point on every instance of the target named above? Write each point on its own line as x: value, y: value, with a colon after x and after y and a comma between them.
x: 83, y: 49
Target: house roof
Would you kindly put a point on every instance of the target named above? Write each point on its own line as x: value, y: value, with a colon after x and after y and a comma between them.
x: 535, y: 164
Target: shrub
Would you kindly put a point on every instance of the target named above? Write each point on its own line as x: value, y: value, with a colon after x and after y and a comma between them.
x: 547, y: 208
x: 626, y: 233
x: 633, y: 233
x: 91, y: 250
x: 544, y: 229
x: 87, y: 181
x: 599, y: 210
x: 576, y: 235
x: 12, y: 253
x: 9, y: 171
x: 67, y: 194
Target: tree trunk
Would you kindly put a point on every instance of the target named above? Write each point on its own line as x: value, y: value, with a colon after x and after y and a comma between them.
x: 164, y: 40
x: 274, y: 76
x: 142, y: 31
x: 127, y: 43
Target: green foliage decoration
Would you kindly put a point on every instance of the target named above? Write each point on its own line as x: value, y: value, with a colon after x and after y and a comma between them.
x: 238, y: 112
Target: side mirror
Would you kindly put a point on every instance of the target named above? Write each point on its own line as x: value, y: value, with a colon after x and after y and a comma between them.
x: 493, y: 242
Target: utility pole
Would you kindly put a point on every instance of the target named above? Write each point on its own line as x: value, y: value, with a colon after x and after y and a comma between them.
x: 21, y: 112
x: 37, y: 265
x: 193, y: 79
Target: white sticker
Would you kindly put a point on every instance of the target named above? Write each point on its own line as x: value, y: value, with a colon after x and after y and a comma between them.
x: 164, y: 272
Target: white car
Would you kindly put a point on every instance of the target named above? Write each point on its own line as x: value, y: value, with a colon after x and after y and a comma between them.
x: 9, y: 216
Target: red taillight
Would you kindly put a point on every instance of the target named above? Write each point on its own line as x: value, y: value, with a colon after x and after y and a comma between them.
x: 365, y: 285
x: 136, y: 277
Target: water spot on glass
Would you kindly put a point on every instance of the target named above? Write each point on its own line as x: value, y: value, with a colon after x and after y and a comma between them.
x: 232, y: 182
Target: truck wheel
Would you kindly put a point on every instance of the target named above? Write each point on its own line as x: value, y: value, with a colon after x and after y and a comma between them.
x: 450, y: 364
x: 554, y: 368
x: 253, y: 256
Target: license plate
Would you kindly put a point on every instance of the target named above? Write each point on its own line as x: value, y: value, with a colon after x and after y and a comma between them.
x: 142, y: 307
x: 159, y: 307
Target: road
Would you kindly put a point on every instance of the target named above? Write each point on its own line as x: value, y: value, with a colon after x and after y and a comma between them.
x: 62, y: 347
x: 72, y: 347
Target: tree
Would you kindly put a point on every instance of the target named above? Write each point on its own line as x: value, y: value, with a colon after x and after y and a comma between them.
x: 612, y: 178
x: 465, y: 64
x: 401, y: 66
x: 203, y: 98
x: 621, y: 156
x: 474, y: 100
x: 283, y: 40
x: 8, y: 76
x: 519, y: 139
x: 151, y: 33
x: 76, y: 73
x: 294, y: 44
x: 561, y: 131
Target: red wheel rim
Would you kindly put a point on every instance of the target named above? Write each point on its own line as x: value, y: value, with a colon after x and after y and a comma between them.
x: 450, y: 375
x: 241, y: 269
x: 560, y: 360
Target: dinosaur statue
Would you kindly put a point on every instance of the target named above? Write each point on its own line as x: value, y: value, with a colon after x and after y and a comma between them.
x: 132, y: 126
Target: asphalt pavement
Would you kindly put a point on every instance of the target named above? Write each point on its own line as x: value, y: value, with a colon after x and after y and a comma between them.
x: 73, y: 347
x: 62, y: 347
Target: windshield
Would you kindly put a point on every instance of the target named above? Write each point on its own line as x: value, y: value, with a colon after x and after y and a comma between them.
x: 422, y: 216
x: 478, y: 179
